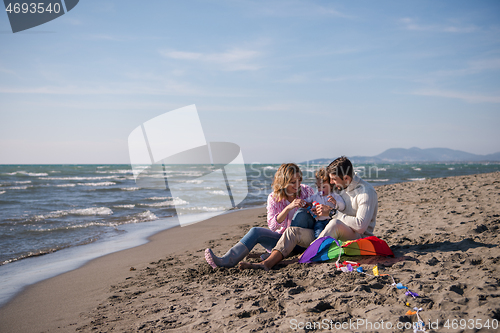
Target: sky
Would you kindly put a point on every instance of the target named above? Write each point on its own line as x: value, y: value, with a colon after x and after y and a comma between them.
x: 287, y: 81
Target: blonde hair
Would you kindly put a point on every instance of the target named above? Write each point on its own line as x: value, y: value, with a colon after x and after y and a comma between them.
x: 282, y: 179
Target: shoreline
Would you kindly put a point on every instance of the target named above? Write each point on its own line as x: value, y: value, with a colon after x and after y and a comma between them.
x: 54, y: 297
x: 20, y: 274
x: 448, y: 226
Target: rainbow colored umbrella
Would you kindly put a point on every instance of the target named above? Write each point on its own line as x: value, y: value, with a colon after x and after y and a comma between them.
x: 328, y: 248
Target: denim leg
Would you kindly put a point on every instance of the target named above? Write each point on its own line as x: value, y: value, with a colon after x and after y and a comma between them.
x: 302, y: 219
x: 262, y: 236
x: 319, y: 226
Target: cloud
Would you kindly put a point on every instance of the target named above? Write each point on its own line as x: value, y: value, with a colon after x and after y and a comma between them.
x: 411, y: 24
x: 166, y: 88
x: 473, y: 67
x: 235, y: 59
x: 470, y: 98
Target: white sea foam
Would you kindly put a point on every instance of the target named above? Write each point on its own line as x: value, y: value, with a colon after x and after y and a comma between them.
x: 115, y: 171
x: 415, y: 179
x: 2, y: 192
x: 195, y: 181
x: 92, y: 211
x: 81, y: 178
x: 129, y: 188
x: 208, y: 209
x: 417, y: 169
x: 26, y: 173
x: 218, y: 192
x: 124, y: 206
x: 65, y: 185
x: 142, y: 217
x: 16, y: 187
x: 377, y: 180
x: 451, y: 168
x: 34, y: 174
x: 381, y: 169
x: 16, y: 182
x: 170, y: 203
x: 97, y: 184
x: 159, y: 198
x: 79, y: 226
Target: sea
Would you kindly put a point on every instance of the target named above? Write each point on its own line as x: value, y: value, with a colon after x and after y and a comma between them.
x: 55, y: 218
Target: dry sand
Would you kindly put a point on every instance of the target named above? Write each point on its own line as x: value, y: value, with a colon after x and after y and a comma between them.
x: 444, y: 233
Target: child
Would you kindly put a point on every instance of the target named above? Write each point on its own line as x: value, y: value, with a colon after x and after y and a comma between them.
x: 325, y: 196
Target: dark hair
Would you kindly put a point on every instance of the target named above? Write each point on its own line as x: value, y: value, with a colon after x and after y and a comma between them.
x: 341, y: 167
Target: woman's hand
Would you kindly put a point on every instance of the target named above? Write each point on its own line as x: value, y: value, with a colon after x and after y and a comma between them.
x: 296, y: 203
x: 322, y: 210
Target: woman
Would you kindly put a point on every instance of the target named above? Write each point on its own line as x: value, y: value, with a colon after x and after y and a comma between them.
x: 288, y: 195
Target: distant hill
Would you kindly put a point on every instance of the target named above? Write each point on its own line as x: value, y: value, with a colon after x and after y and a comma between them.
x: 395, y: 155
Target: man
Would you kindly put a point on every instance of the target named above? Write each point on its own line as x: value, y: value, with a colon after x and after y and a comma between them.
x: 356, y: 221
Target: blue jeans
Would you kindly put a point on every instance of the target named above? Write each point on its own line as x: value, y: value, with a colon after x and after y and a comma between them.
x: 262, y: 236
x: 303, y: 219
x: 319, y: 226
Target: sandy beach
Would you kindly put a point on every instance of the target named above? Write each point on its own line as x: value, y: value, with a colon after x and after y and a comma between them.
x: 443, y: 232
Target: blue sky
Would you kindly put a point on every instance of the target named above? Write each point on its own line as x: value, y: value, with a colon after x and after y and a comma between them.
x: 285, y: 80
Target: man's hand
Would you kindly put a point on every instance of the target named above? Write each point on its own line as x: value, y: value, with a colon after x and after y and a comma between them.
x: 322, y: 210
x: 332, y: 200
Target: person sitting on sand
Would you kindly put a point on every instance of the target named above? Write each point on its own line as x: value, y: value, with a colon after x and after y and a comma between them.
x: 288, y: 195
x: 326, y: 195
x: 357, y: 220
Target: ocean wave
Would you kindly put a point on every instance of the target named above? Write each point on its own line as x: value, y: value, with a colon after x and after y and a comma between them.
x: 26, y: 173
x: 415, y: 179
x: 65, y: 185
x: 124, y: 206
x: 16, y: 187
x: 194, y: 181
x: 141, y: 217
x: 218, y: 192
x: 81, y: 178
x: 129, y: 188
x: 115, y: 171
x: 416, y: 169
x: 2, y: 192
x: 159, y: 198
x: 207, y: 209
x: 15, y: 183
x: 92, y: 211
x: 78, y: 226
x: 174, y: 202
x: 97, y: 184
x: 377, y: 180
